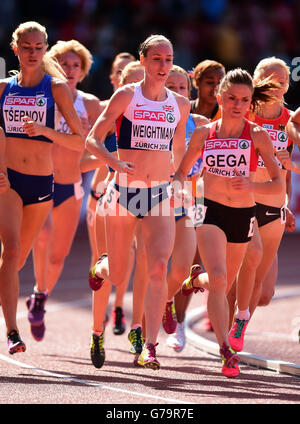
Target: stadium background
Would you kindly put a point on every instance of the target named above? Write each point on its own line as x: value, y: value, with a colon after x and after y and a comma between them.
x: 234, y: 32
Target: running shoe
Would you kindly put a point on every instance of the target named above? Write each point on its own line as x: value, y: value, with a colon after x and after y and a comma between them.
x: 136, y: 339
x: 237, y: 333
x: 36, y: 311
x: 177, y: 340
x: 96, y: 282
x: 187, y: 286
x: 97, y: 350
x: 169, y: 320
x: 118, y: 319
x: 230, y: 361
x: 15, y: 344
x: 148, y: 358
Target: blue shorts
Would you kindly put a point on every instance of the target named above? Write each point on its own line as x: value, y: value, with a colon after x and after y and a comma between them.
x: 31, y: 188
x: 63, y: 192
x: 140, y: 201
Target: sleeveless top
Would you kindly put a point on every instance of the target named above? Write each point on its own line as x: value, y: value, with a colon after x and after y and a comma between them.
x: 222, y: 156
x: 189, y: 129
x: 216, y: 113
x: 79, y: 106
x: 276, y: 130
x: 36, y: 102
x: 148, y: 124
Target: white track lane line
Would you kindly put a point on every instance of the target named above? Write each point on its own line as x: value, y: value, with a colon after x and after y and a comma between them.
x: 74, y: 304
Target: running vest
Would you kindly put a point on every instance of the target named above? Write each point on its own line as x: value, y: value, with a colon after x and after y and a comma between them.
x: 222, y: 156
x: 276, y: 130
x: 189, y: 129
x: 80, y: 110
x: 148, y: 124
x: 36, y: 102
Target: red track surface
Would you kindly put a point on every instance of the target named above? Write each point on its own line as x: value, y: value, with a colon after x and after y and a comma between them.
x: 58, y: 370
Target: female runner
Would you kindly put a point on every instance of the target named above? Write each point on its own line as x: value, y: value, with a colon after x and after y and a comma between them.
x: 230, y: 148
x: 28, y: 119
x: 147, y: 115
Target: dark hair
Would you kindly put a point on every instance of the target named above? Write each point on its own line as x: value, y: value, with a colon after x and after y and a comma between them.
x: 261, y: 90
x: 123, y: 55
x: 153, y: 39
x: 204, y: 66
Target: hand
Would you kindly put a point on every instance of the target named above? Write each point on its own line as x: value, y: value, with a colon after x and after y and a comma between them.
x: 180, y: 196
x: 290, y: 224
x: 240, y: 182
x: 125, y: 167
x: 31, y: 128
x: 85, y: 124
x: 4, y: 183
x: 284, y: 157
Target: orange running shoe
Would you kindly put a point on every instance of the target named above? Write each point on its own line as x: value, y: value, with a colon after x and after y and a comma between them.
x: 187, y: 287
x: 230, y: 361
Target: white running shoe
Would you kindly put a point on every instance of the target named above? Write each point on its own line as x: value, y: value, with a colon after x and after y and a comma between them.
x: 177, y: 339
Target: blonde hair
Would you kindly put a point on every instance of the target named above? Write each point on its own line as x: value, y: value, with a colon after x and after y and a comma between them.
x: 62, y: 47
x: 178, y: 70
x: 260, y: 89
x: 204, y: 66
x: 270, y: 62
x: 50, y: 65
x: 131, y: 66
x: 150, y: 41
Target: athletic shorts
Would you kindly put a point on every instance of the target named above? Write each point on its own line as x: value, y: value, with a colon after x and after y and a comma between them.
x: 266, y: 214
x: 31, y: 188
x: 137, y: 201
x: 62, y: 192
x: 237, y: 223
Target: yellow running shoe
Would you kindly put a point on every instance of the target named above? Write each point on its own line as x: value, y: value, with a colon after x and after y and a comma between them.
x: 148, y: 358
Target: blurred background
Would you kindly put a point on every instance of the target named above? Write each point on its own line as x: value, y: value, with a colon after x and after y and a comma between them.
x: 233, y: 32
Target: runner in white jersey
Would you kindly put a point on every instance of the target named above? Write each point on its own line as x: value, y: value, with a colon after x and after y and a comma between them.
x: 147, y: 115
x: 55, y: 239
x: 100, y: 180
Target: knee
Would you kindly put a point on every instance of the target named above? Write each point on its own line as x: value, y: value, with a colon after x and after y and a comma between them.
x: 158, y: 271
x: 44, y: 236
x: 266, y: 297
x: 57, y: 259
x: 11, y: 251
x: 218, y: 281
x: 253, y: 256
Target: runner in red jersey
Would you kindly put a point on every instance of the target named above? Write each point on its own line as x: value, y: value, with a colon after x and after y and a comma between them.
x: 258, y: 274
x: 229, y: 147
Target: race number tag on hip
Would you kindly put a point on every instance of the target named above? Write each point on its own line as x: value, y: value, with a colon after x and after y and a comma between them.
x: 107, y: 202
x: 198, y: 213
x: 283, y: 215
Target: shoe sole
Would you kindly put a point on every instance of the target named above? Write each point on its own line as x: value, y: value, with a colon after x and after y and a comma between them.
x: 17, y: 349
x: 152, y: 365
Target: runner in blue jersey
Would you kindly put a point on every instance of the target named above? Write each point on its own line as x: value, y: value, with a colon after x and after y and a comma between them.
x: 28, y: 118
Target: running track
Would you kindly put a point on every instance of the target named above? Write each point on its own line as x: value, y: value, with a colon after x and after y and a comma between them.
x: 58, y: 370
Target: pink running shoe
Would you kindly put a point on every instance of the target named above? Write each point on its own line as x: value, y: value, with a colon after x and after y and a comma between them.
x: 230, y: 362
x: 96, y: 282
x: 148, y: 358
x: 169, y: 320
x: 237, y: 333
x: 187, y: 287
